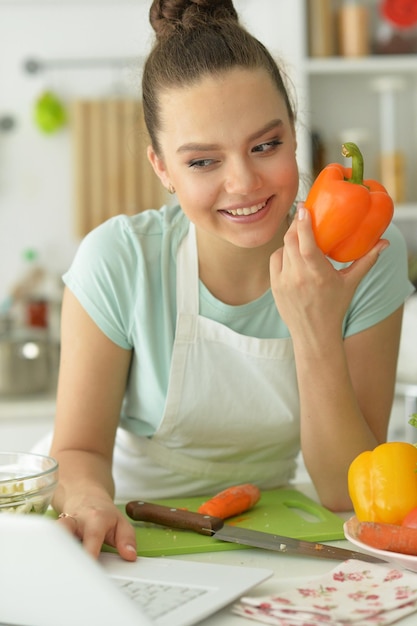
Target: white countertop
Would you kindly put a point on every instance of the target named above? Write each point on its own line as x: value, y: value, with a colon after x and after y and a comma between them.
x: 32, y: 405
x: 26, y: 420
x: 288, y: 571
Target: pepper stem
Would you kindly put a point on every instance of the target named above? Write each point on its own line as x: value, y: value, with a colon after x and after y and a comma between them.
x: 351, y: 150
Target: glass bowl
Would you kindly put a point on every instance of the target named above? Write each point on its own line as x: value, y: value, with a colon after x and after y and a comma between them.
x: 27, y: 482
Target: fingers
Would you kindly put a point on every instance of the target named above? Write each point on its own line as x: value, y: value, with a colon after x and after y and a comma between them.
x: 93, y: 540
x: 68, y: 521
x: 126, y: 542
x: 98, y: 529
x: 298, y: 241
x: 306, y: 241
x: 121, y: 535
x: 92, y: 535
x: 359, y: 268
x: 300, y: 246
x: 127, y: 552
x: 275, y: 262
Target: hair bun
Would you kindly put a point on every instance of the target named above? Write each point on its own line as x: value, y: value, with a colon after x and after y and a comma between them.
x: 167, y: 16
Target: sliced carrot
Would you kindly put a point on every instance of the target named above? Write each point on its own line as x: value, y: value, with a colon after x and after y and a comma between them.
x: 391, y: 537
x: 231, y: 501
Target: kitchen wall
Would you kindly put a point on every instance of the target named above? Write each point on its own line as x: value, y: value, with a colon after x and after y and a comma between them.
x: 36, y: 186
x: 36, y: 170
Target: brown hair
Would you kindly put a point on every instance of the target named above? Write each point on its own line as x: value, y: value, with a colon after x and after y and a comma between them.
x: 196, y: 38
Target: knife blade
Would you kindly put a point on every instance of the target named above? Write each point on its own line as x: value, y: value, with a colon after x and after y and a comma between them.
x: 215, y: 527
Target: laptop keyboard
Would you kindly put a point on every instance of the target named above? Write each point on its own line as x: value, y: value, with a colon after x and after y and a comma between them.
x: 157, y: 599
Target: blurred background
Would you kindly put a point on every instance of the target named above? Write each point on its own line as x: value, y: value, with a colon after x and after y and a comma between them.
x: 72, y: 146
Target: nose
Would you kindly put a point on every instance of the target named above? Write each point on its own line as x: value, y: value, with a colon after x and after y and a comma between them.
x: 242, y: 177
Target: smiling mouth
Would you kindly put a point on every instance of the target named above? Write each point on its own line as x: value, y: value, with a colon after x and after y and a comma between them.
x: 250, y: 210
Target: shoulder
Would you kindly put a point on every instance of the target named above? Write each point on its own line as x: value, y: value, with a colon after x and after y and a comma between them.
x: 396, y: 238
x: 393, y: 262
x: 123, y: 247
x: 123, y: 242
x: 120, y: 261
x: 134, y: 230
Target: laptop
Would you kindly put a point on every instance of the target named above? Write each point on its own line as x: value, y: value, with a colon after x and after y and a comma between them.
x: 48, y: 579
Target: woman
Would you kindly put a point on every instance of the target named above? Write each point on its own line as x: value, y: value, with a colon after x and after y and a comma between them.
x: 203, y: 344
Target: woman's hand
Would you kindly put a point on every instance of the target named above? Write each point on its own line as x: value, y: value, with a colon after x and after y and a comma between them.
x: 100, y: 521
x: 310, y: 294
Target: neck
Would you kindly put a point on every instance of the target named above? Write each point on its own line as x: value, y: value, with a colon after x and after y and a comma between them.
x: 234, y: 275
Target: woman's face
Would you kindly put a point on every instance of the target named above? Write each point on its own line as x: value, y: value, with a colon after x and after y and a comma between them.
x: 228, y: 148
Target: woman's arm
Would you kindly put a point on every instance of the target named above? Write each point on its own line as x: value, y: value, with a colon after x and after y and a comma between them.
x: 346, y: 386
x: 346, y: 405
x: 92, y: 382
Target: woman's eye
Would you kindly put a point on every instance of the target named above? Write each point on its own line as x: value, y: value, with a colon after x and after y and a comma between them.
x: 201, y: 163
x: 267, y: 146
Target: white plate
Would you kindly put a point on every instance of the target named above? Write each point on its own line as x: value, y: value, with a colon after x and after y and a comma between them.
x: 403, y: 560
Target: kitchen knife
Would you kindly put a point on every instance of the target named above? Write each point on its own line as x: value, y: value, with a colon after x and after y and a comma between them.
x: 215, y: 527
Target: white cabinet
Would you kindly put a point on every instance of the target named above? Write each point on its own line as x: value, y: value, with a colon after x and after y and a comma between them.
x: 342, y: 100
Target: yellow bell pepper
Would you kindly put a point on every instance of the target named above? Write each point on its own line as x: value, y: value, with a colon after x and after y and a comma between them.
x: 383, y: 483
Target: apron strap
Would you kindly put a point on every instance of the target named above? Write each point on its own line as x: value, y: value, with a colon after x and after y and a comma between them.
x: 187, y: 274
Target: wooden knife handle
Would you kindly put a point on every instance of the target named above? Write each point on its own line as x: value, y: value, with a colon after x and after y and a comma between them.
x: 173, y: 518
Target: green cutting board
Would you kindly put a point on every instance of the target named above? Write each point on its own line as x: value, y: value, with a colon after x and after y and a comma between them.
x: 280, y: 511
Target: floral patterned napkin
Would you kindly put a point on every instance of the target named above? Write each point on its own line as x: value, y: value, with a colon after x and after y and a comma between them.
x: 353, y: 593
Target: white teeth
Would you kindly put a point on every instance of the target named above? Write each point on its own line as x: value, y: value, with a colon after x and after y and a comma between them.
x: 247, y: 210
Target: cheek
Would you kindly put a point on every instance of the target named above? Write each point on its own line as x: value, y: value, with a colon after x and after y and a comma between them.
x: 295, y: 175
x: 287, y: 174
x: 195, y: 196
x: 289, y: 183
x: 202, y: 189
x: 293, y: 168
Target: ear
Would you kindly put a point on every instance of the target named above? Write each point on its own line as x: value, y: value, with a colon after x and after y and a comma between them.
x: 158, y: 167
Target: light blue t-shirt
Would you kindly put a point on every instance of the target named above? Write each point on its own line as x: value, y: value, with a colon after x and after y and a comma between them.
x: 124, y: 275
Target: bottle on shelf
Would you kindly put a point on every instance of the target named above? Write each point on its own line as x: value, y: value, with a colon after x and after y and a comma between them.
x: 33, y: 293
x: 391, y: 160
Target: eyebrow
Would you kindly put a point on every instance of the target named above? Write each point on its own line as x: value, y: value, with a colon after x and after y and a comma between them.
x: 201, y: 147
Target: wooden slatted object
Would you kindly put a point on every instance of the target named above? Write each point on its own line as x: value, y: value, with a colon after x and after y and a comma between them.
x: 112, y: 174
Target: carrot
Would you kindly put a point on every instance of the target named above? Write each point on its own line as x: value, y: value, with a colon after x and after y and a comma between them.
x: 231, y: 501
x: 391, y: 537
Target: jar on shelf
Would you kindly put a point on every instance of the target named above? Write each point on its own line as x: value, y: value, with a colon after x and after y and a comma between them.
x: 321, y: 28
x: 353, y: 29
x: 396, y: 31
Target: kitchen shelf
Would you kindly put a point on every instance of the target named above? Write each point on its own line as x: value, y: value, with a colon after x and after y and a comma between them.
x: 377, y: 64
x: 341, y: 100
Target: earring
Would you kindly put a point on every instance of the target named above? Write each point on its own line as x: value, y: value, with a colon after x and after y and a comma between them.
x: 171, y: 189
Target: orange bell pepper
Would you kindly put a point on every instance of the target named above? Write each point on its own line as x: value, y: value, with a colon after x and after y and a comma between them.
x: 348, y: 214
x: 383, y: 483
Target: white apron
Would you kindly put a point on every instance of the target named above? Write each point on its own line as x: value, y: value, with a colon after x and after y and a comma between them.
x: 231, y: 413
